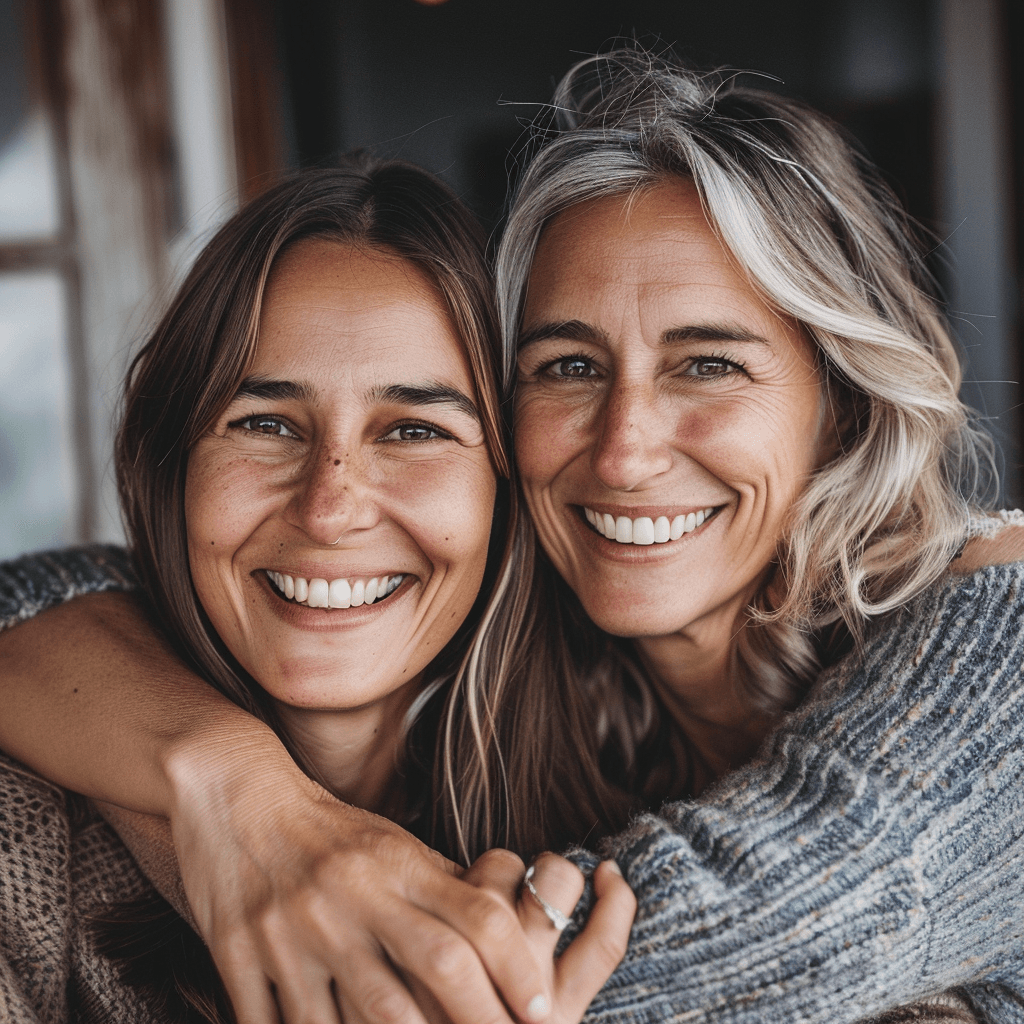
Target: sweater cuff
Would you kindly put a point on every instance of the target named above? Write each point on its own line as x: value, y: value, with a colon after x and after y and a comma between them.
x: 33, y: 583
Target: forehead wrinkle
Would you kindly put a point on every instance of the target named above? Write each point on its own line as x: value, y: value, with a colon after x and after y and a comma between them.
x: 426, y: 393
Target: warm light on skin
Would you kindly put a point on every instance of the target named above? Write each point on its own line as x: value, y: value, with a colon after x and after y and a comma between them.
x: 335, y: 477
x: 654, y: 380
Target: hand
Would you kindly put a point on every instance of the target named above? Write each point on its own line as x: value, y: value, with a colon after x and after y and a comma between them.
x: 581, y: 971
x: 309, y: 906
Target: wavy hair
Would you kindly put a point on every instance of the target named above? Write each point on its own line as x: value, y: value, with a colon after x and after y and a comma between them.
x: 822, y: 238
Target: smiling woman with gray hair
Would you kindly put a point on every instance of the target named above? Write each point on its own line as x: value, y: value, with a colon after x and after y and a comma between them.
x: 759, y: 590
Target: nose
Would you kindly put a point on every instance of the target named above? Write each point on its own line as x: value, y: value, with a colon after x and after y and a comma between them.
x: 331, y: 496
x: 632, y: 438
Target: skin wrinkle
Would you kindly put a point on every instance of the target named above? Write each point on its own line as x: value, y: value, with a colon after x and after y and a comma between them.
x: 645, y: 299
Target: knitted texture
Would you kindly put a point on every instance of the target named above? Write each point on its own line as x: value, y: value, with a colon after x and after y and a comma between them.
x: 56, y: 871
x: 866, y: 859
x: 871, y: 855
x: 34, y: 583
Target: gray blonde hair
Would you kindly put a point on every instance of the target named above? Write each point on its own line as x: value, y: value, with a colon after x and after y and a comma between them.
x: 822, y: 238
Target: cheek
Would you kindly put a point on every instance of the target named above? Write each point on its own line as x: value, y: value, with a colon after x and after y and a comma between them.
x: 225, y: 501
x: 548, y: 435
x: 447, y: 508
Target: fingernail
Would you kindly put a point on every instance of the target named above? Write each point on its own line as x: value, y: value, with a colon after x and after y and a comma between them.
x: 613, y: 866
x: 538, y: 1008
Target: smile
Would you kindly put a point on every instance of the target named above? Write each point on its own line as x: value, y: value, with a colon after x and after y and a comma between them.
x: 645, y: 530
x: 339, y: 593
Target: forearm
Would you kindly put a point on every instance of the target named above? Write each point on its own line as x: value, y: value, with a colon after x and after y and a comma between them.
x: 868, y: 859
x: 95, y: 701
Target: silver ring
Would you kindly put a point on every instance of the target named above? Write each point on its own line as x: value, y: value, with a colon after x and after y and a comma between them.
x: 553, y: 914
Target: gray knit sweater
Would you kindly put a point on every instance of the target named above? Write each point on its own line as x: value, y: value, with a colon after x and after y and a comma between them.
x: 869, y: 857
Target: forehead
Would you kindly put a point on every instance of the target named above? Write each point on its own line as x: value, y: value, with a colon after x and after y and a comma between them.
x: 651, y: 245
x: 335, y: 308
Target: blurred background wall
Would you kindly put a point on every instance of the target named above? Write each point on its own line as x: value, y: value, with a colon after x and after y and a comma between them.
x: 130, y: 128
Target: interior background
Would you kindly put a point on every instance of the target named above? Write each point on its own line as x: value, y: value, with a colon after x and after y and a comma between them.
x: 130, y: 128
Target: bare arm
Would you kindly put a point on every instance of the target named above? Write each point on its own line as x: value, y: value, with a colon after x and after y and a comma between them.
x: 96, y: 702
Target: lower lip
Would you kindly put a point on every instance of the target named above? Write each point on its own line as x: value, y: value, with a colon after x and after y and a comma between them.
x: 327, y: 620
x: 638, y: 553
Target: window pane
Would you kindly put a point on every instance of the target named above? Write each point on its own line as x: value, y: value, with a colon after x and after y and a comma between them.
x: 38, y: 501
x: 29, y: 206
x: 28, y: 187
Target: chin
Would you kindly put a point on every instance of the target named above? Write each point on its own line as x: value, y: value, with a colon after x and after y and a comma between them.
x: 635, y: 621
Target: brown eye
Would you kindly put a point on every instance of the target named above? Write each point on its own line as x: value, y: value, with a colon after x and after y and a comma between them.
x: 415, y: 432
x: 267, y: 425
x: 710, y: 368
x: 573, y: 367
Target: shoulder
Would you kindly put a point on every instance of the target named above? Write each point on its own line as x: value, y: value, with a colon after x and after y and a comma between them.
x: 996, y: 539
x: 33, y: 583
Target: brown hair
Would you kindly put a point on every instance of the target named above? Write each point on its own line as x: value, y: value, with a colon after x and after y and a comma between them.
x: 200, y: 351
x: 178, y: 385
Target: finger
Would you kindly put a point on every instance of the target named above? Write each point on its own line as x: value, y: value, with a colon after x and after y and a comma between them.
x: 374, y: 994
x: 593, y: 955
x: 557, y: 882
x: 499, y: 871
x: 305, y: 997
x: 441, y: 959
x: 248, y: 988
x: 252, y: 999
x: 490, y: 925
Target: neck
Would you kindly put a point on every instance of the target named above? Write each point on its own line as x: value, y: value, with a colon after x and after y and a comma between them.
x: 357, y: 751
x: 695, y: 674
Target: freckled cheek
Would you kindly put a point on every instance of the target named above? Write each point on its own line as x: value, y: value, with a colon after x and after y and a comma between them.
x: 225, y: 502
x: 446, y: 507
x: 548, y: 436
x: 751, y: 447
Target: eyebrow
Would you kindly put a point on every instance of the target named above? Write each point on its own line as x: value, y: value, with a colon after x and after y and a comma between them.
x: 267, y: 389
x: 578, y: 330
x: 428, y: 393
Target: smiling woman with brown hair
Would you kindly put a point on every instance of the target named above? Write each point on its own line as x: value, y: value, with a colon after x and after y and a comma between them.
x: 308, y: 463
x: 758, y: 582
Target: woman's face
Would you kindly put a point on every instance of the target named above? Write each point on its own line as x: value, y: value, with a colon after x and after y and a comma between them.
x: 338, y: 513
x: 666, y: 417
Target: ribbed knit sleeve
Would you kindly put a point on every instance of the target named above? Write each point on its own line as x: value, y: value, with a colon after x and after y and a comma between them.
x: 871, y: 855
x: 33, y: 583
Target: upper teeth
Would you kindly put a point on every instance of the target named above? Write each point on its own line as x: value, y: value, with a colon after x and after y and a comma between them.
x: 645, y: 530
x: 336, y: 593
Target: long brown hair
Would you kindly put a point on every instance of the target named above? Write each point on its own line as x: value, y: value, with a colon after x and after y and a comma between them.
x: 176, y: 388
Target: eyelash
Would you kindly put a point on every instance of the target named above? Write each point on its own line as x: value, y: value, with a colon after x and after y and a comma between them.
x: 548, y: 367
x: 245, y: 421
x: 245, y: 424
x: 433, y: 428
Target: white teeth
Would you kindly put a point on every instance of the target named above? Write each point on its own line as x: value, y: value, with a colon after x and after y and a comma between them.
x: 319, y: 594
x: 644, y: 530
x: 339, y: 593
x: 662, y: 530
